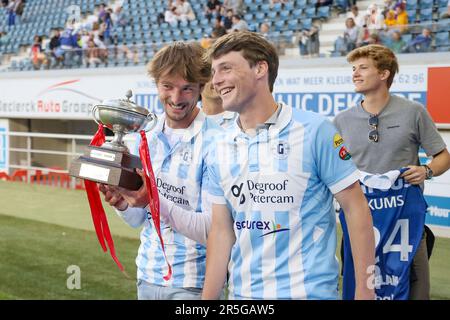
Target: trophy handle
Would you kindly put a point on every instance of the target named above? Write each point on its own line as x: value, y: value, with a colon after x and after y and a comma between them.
x: 153, y: 119
x: 94, y: 110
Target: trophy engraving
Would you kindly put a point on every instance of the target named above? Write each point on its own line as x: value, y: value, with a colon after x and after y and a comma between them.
x: 112, y: 162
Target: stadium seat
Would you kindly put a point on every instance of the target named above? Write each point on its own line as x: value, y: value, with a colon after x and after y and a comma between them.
x: 425, y: 4
x: 297, y: 13
x: 442, y: 39
x: 323, y: 12
x: 301, y: 4
x: 411, y: 5
x: 426, y: 14
x: 412, y: 15
x: 310, y: 12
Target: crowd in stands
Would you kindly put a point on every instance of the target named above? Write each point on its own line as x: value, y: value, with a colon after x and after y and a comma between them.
x: 82, y: 42
x: 92, y: 40
x: 387, y: 25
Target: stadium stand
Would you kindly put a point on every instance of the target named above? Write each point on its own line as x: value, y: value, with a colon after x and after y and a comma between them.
x: 142, y: 31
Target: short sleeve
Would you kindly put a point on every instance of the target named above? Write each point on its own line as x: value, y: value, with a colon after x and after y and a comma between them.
x: 334, y: 164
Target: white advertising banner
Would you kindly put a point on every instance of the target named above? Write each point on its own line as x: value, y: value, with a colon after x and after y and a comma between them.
x: 4, y: 145
x: 327, y: 92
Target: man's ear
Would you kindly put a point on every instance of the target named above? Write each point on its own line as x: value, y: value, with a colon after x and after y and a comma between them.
x: 385, y: 74
x: 261, y: 68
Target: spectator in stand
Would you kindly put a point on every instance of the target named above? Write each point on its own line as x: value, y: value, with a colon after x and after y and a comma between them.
x: 19, y: 6
x: 69, y: 46
x: 402, y: 17
x: 264, y: 30
x: 312, y: 43
x: 212, y: 9
x: 390, y: 20
x: 38, y: 57
x: 106, y: 26
x: 376, y: 18
x: 347, y: 42
x: 119, y: 18
x: 171, y: 17
x: 54, y: 46
x: 4, y: 38
x: 206, y: 41
x: 357, y: 16
x: 236, y: 5
x: 309, y: 42
x: 323, y: 3
x: 421, y: 43
x: 239, y: 24
x: 92, y: 54
x: 228, y: 19
x: 101, y: 13
x: 363, y: 34
x: 184, y: 10
x: 397, y: 44
x: 218, y: 28
x: 10, y: 9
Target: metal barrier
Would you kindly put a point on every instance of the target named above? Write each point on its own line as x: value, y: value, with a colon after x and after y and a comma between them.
x: 54, y: 176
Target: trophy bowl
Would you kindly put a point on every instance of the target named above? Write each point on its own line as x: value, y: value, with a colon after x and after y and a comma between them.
x: 112, y: 163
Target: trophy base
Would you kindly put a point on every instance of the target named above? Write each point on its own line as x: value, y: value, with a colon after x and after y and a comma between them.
x: 109, y: 167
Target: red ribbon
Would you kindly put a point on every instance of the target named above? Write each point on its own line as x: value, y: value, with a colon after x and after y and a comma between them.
x: 97, y: 211
x: 152, y: 193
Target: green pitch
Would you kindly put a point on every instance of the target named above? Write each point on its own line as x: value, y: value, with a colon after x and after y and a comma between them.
x: 44, y: 230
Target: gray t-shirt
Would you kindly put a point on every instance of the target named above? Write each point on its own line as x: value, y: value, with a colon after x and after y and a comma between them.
x: 403, y: 126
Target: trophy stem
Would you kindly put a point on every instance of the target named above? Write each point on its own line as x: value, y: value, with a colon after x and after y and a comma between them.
x: 118, y: 138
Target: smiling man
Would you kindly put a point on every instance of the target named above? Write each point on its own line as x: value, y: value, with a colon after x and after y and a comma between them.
x: 384, y: 132
x: 272, y: 176
x: 178, y: 149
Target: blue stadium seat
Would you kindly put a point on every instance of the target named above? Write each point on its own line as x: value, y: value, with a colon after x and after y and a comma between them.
x: 279, y: 25
x: 425, y: 4
x: 442, y: 39
x: 323, y: 12
x: 297, y: 13
x: 306, y: 24
x: 443, y: 25
x: 441, y: 3
x: 412, y: 16
x: 426, y: 14
x: 284, y: 14
x: 310, y: 12
x: 259, y: 17
x: 293, y: 24
x: 301, y: 4
x: 265, y: 7
x: 411, y: 5
x: 407, y: 37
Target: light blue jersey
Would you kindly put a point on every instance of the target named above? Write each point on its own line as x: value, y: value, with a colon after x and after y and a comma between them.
x: 181, y: 175
x: 279, y: 187
x: 225, y: 119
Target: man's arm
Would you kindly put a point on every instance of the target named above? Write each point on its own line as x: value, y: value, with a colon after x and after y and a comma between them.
x: 220, y: 241
x: 439, y: 165
x: 360, y: 228
x: 134, y: 217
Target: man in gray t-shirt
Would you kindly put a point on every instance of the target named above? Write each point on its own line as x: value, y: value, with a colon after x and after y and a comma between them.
x: 403, y: 127
x: 384, y: 132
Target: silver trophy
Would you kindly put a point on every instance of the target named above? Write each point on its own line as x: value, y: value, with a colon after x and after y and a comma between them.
x: 112, y: 162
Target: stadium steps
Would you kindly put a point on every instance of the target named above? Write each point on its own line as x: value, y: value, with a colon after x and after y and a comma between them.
x: 335, y: 27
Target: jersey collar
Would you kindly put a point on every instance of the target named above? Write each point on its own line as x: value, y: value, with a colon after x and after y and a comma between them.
x: 194, y: 128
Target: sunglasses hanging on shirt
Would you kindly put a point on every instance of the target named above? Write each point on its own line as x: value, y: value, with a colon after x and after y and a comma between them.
x: 373, y: 133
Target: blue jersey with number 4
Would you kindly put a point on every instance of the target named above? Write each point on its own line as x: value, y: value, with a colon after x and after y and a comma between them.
x: 398, y: 218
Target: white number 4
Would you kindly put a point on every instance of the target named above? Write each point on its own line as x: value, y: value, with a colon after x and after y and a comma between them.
x: 404, y: 247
